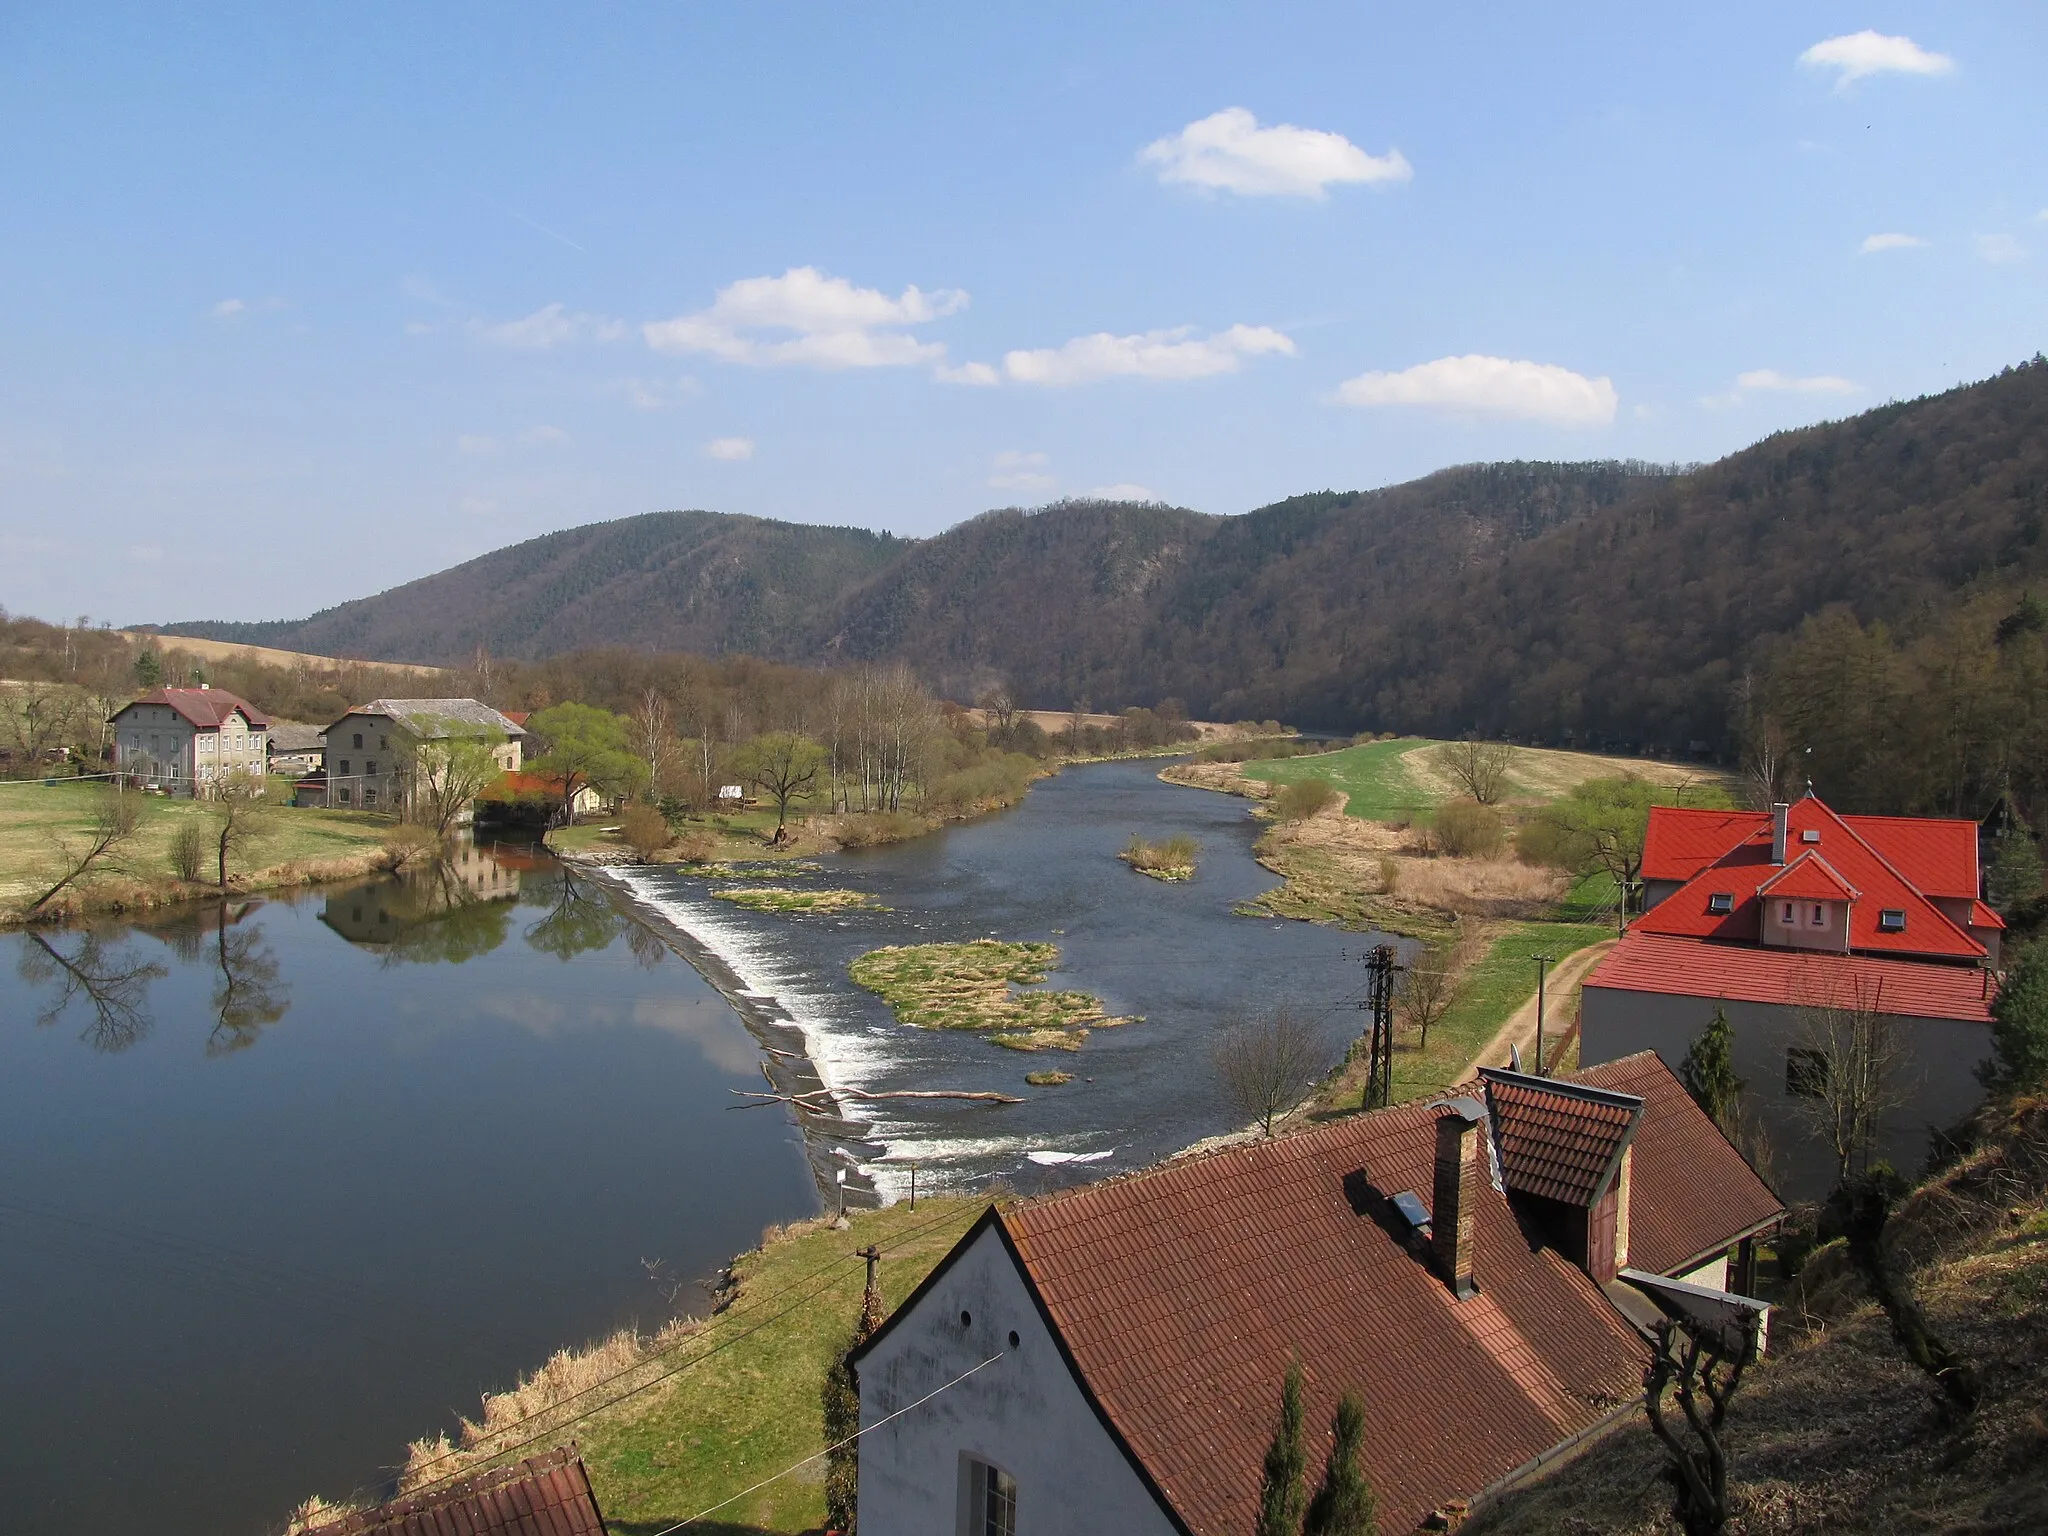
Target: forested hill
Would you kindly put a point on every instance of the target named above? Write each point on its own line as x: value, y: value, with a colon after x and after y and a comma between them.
x: 1603, y: 602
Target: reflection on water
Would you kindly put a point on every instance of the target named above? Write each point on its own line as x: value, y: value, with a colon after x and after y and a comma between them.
x: 285, y: 1182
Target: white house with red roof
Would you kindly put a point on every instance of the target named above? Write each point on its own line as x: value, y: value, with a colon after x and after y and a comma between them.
x: 184, y: 740
x: 1776, y: 915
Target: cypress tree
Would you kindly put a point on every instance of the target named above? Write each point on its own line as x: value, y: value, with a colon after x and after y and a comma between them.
x: 1708, y: 1070
x: 1280, y: 1491
x: 1343, y: 1505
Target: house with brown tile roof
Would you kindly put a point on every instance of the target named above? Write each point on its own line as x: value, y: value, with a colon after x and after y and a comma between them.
x: 1783, y: 917
x: 187, y: 740
x: 1110, y: 1358
x: 546, y: 1495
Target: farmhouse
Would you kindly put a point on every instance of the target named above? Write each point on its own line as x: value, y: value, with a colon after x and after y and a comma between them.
x: 372, y: 751
x: 1793, y: 921
x: 187, y: 740
x: 1111, y: 1358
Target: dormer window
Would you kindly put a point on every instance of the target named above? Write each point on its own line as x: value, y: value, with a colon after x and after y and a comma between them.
x: 1891, y: 920
x: 1721, y: 903
x: 1820, y: 915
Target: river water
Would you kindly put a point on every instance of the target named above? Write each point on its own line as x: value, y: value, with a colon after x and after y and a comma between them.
x: 286, y: 1182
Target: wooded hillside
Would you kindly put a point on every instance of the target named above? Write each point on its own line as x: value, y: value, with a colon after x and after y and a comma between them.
x: 1597, y: 604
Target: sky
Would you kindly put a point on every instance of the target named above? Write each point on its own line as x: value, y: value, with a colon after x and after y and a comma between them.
x: 303, y: 302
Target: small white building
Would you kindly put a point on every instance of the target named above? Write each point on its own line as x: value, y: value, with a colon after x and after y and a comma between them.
x: 185, y: 740
x: 1111, y: 1358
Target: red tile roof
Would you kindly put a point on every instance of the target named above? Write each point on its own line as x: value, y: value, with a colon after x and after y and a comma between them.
x: 1556, y: 1139
x: 204, y: 707
x: 1809, y: 878
x: 1743, y: 868
x: 1679, y: 843
x: 1181, y: 1293
x: 1981, y: 916
x: 1653, y: 962
x: 1689, y: 1191
x: 541, y: 1496
x: 1936, y: 854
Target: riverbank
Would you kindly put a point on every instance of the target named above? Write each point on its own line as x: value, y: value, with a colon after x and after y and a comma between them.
x: 672, y: 1424
x: 299, y: 847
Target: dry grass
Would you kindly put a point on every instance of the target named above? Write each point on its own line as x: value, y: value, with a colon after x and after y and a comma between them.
x: 1481, y: 887
x: 1541, y: 774
x: 772, y: 899
x: 1835, y: 1430
x: 1171, y: 858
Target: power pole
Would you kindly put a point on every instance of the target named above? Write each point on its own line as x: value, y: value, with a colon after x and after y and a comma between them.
x: 1541, y: 962
x: 1379, y: 1063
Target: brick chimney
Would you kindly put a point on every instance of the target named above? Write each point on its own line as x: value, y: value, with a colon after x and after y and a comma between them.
x: 1779, y: 812
x: 1455, y: 1190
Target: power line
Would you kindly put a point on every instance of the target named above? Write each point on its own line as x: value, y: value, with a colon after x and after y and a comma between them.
x: 714, y: 1509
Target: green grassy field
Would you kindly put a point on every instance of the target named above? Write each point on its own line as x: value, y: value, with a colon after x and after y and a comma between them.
x: 1378, y: 783
x: 35, y: 817
x: 745, y: 1403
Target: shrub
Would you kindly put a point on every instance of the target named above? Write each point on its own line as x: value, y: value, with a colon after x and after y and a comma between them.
x: 644, y: 829
x: 1467, y: 829
x: 2019, y: 1024
x: 188, y: 850
x: 1303, y: 798
x: 405, y: 843
x: 870, y: 829
x: 1546, y: 845
x: 697, y: 847
x: 1390, y: 873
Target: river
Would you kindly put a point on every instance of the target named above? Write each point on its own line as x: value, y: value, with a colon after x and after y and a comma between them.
x: 286, y: 1182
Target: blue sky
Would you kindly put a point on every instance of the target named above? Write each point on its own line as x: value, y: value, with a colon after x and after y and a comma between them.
x: 302, y: 302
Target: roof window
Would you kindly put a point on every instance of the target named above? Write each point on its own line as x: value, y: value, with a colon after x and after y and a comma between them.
x: 1810, y: 835
x: 1891, y: 920
x: 1721, y: 903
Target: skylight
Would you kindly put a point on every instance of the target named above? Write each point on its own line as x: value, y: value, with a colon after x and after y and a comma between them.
x: 1721, y: 903
x: 1891, y: 920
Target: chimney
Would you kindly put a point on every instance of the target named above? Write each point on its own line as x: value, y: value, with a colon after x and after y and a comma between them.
x: 1618, y: 1198
x: 1779, y: 812
x: 1456, y: 1190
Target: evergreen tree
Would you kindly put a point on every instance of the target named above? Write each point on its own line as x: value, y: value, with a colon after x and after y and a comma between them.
x: 1343, y: 1505
x: 1281, y: 1494
x: 1708, y: 1070
x: 2019, y: 1024
x: 149, y: 668
x: 842, y: 1419
x: 2015, y: 873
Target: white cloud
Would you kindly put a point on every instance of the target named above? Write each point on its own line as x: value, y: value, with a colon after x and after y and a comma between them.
x: 833, y: 324
x: 1999, y: 249
x: 1857, y: 54
x: 1814, y: 384
x: 544, y: 434
x: 1229, y: 151
x: 1015, y: 469
x: 552, y: 325
x: 1491, y: 386
x: 479, y: 444
x: 1122, y: 491
x: 227, y: 309
x: 979, y: 375
x: 731, y: 450
x: 1175, y: 354
x: 1888, y: 242
x: 2041, y: 217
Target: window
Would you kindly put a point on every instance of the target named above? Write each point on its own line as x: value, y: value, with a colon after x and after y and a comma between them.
x: 1788, y: 915
x: 1721, y: 903
x: 370, y: 766
x: 1809, y: 836
x: 344, y: 765
x: 1892, y: 920
x: 1806, y: 1073
x: 991, y: 1501
x: 357, y: 741
x: 1820, y: 915
x: 369, y: 797
x: 341, y: 796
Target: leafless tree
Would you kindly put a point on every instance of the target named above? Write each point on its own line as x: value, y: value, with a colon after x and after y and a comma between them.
x: 1848, y: 1072
x: 651, y: 727
x: 1000, y: 705
x: 113, y: 983
x: 1425, y: 995
x: 1268, y: 1063
x: 1702, y: 1379
x: 1480, y: 768
x: 36, y: 718
x: 240, y: 819
x: 247, y: 994
x: 112, y: 822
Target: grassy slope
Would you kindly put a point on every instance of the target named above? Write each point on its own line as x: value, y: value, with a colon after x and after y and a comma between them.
x: 1373, y: 775
x: 751, y: 1407
x: 32, y: 815
x: 1835, y: 1430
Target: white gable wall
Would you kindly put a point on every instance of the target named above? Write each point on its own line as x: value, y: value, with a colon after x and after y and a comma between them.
x: 1025, y: 1414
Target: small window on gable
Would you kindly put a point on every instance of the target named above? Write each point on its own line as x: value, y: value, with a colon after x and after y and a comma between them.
x: 1806, y: 1073
x: 1820, y: 915
x: 1721, y: 903
x: 1892, y: 920
x: 1787, y: 913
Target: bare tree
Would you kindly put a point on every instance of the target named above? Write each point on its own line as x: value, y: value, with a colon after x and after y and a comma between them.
x: 247, y: 994
x: 36, y: 718
x: 1702, y: 1379
x: 114, y: 983
x: 1268, y: 1063
x: 651, y: 727
x: 1480, y: 768
x: 111, y: 823
x: 1000, y: 707
x: 1426, y: 995
x: 446, y: 765
x: 783, y: 764
x: 240, y: 819
x: 1847, y: 1072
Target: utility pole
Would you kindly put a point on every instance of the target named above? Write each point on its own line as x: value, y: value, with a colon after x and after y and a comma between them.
x: 1379, y: 1063
x: 1541, y: 962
